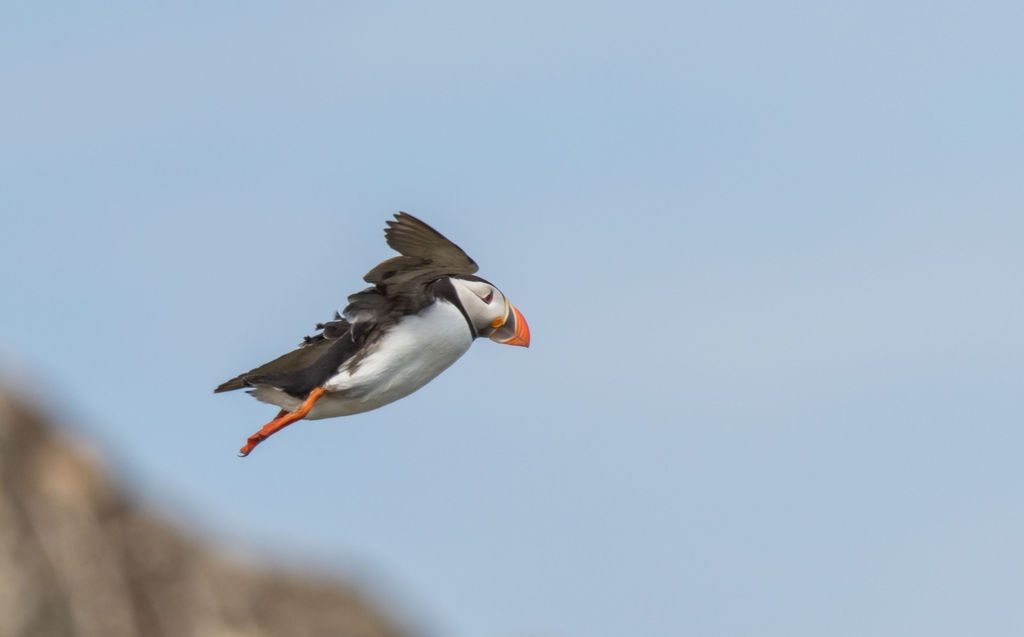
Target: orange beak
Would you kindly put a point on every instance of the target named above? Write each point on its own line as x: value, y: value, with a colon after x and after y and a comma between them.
x: 514, y: 330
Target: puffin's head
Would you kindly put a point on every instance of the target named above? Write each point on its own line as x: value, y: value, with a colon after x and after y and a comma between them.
x: 490, y: 312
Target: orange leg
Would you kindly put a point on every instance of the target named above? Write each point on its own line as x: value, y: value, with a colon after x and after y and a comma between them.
x: 283, y: 420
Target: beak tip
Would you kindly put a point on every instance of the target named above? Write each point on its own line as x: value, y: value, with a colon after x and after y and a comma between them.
x: 522, y: 329
x: 521, y: 336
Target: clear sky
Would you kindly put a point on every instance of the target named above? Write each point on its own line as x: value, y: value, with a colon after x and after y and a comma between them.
x: 770, y: 253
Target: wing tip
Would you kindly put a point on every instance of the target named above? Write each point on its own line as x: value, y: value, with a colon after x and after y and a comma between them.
x: 401, y: 217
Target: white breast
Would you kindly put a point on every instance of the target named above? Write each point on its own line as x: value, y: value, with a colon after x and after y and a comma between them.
x: 408, y: 356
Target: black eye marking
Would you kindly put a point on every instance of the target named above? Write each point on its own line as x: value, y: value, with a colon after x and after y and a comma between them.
x: 490, y: 295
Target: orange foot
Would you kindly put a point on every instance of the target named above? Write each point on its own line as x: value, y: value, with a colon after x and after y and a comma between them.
x: 282, y: 420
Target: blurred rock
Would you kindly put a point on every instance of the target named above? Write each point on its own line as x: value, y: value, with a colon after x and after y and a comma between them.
x: 78, y: 558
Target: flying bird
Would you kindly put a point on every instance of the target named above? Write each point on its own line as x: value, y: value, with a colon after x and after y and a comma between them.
x: 421, y: 313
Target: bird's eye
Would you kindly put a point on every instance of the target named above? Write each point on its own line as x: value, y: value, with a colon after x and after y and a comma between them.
x: 487, y: 299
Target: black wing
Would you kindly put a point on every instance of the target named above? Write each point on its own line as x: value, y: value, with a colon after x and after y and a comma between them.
x: 406, y: 284
x: 426, y: 255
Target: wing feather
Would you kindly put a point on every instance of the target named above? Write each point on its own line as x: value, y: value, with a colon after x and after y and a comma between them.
x: 426, y: 255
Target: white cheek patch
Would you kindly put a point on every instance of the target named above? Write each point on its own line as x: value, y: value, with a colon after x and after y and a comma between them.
x: 471, y: 295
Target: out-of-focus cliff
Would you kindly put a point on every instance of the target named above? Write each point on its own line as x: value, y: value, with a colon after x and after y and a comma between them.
x: 78, y: 558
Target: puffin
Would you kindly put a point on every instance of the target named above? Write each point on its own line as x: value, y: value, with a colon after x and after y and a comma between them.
x: 423, y: 310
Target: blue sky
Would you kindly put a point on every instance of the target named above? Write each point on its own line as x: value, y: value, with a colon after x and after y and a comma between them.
x: 770, y: 256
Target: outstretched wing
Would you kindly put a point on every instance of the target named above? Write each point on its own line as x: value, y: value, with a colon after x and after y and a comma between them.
x: 411, y: 237
x: 426, y: 255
